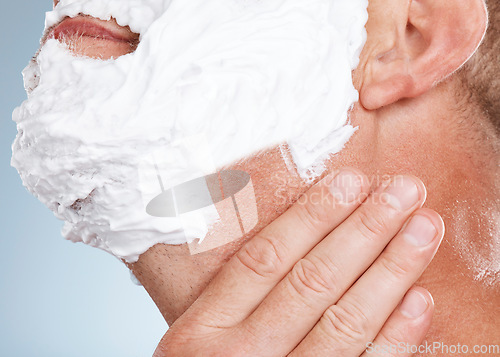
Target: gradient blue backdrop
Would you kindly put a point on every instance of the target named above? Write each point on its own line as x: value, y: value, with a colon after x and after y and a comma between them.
x: 56, y: 298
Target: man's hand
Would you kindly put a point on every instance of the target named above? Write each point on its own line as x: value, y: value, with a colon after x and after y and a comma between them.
x: 324, y: 279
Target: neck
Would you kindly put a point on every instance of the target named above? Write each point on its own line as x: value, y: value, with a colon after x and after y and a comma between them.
x: 456, y: 153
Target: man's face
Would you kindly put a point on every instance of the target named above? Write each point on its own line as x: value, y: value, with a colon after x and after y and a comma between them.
x: 230, y: 82
x: 276, y: 184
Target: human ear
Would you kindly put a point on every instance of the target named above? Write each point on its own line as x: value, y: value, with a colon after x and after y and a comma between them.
x: 422, y: 43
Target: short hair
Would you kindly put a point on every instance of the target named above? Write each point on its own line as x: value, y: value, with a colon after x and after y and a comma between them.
x: 481, y: 74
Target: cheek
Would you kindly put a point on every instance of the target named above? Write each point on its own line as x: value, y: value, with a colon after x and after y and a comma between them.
x: 175, y: 278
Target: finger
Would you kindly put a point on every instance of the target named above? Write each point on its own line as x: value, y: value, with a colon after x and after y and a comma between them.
x: 319, y: 280
x: 263, y: 261
x: 346, y: 327
x: 406, y: 327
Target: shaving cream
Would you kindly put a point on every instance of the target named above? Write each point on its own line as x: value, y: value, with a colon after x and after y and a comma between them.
x: 243, y: 75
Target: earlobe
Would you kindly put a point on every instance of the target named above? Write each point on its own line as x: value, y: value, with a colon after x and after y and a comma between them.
x: 429, y: 43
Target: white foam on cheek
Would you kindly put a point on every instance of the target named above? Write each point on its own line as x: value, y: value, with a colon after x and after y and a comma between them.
x: 246, y: 75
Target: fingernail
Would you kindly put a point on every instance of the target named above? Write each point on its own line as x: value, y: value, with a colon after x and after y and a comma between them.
x: 414, y: 305
x: 402, y: 193
x: 346, y: 186
x: 420, y: 231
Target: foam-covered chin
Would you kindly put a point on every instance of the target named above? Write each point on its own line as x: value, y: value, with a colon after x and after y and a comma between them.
x: 211, y: 82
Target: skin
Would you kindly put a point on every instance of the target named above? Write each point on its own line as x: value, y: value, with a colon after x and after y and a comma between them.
x: 407, y: 125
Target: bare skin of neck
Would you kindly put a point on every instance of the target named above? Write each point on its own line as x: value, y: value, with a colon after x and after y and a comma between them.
x: 456, y: 154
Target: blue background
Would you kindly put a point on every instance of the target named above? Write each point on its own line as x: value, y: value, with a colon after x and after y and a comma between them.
x: 57, y: 298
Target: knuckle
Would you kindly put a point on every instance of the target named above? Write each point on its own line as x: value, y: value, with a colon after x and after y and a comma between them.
x: 262, y: 256
x: 171, y: 345
x: 314, y: 276
x: 346, y: 324
x: 393, y: 337
x: 373, y: 223
x: 312, y: 212
x: 397, y: 266
x: 187, y: 341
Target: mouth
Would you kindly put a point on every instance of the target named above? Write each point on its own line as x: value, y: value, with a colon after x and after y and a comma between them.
x: 93, y: 37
